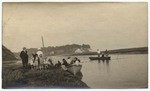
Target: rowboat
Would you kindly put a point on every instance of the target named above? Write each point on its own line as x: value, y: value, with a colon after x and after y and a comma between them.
x: 99, y: 58
x: 74, y: 69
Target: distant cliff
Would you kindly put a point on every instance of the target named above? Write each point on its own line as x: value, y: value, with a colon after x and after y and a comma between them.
x: 7, y: 54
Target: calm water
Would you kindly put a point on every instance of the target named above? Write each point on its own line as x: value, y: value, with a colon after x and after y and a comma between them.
x: 123, y: 71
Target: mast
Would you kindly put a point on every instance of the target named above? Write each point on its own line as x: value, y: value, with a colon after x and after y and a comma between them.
x: 44, y: 50
x: 42, y: 42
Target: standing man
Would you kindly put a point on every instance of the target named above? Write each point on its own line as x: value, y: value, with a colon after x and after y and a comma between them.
x: 24, y: 57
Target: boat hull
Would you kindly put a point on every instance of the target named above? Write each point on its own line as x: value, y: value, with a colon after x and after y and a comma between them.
x: 74, y: 69
x: 99, y: 58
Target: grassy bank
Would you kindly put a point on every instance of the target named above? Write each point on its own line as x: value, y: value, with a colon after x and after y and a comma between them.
x: 18, y: 77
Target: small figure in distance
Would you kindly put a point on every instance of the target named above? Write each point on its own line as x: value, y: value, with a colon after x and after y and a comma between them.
x: 106, y: 53
x: 103, y: 55
x: 98, y: 52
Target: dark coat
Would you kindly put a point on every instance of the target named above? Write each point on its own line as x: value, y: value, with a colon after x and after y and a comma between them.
x: 24, y: 56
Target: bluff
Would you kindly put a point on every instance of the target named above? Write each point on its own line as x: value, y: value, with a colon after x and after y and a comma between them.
x: 7, y: 54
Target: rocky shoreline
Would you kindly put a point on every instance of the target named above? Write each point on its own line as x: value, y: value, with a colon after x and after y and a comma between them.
x: 56, y: 78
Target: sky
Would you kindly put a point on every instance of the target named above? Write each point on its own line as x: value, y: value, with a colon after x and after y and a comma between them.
x: 101, y: 25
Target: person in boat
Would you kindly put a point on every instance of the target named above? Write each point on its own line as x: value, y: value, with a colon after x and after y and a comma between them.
x: 98, y: 52
x: 103, y: 55
x: 75, y: 61
x: 58, y: 64
x: 65, y: 63
x: 24, y: 57
x: 68, y: 60
x: 106, y: 53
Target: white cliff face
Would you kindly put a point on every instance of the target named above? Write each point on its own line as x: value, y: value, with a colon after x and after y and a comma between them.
x: 78, y: 51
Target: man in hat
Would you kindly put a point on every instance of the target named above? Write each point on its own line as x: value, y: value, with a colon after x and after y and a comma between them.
x: 24, y: 57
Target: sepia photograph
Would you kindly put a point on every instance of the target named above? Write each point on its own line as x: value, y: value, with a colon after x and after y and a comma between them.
x: 74, y: 45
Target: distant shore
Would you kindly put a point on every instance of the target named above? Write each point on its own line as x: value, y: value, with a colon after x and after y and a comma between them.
x: 140, y: 50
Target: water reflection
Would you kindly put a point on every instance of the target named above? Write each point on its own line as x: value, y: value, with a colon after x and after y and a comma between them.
x: 127, y: 71
x: 104, y: 64
x: 107, y: 61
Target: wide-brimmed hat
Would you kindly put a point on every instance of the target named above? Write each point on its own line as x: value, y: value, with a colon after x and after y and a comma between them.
x: 24, y: 47
x: 39, y: 48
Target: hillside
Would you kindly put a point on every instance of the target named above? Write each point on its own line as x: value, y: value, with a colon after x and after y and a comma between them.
x: 7, y: 54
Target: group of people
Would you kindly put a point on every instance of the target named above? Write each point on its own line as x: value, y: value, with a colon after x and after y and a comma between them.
x: 74, y: 61
x: 103, y: 54
x: 37, y: 59
x: 40, y: 62
x: 67, y: 62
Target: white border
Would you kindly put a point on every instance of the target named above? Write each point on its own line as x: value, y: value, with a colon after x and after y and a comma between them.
x: 71, y: 1
x: 74, y: 0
